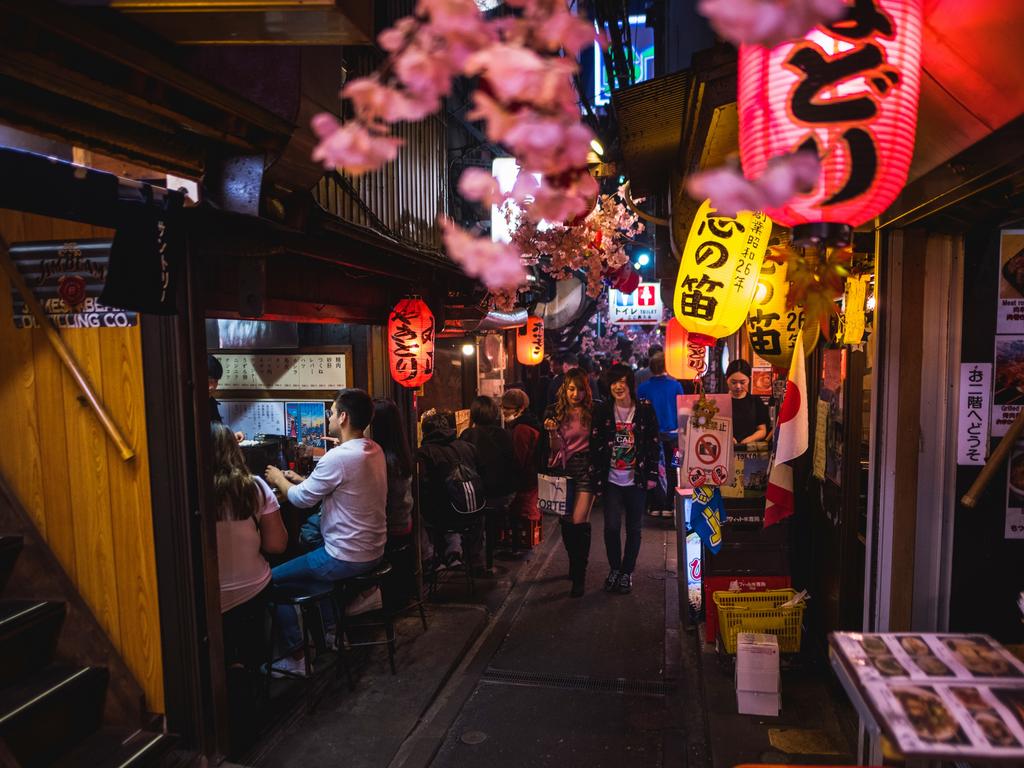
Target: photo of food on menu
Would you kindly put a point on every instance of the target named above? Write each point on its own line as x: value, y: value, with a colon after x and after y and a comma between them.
x: 933, y: 657
x: 928, y: 715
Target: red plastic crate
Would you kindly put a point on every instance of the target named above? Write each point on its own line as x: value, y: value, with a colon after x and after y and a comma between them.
x: 714, y: 584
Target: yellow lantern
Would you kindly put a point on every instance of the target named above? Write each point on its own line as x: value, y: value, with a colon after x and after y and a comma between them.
x: 684, y: 359
x: 530, y: 342
x: 771, y: 327
x: 718, y: 272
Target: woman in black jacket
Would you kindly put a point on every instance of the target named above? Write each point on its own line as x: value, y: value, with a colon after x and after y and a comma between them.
x: 626, y: 447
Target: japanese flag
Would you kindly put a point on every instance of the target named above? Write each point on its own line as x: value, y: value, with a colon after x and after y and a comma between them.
x: 790, y: 440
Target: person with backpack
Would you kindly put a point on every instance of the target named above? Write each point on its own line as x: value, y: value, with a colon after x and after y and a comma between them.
x: 452, y: 495
x: 663, y: 391
x: 627, y: 453
x: 565, y: 451
x: 524, y: 428
x: 496, y: 459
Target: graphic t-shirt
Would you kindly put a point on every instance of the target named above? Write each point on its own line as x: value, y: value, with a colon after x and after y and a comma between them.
x: 623, y: 461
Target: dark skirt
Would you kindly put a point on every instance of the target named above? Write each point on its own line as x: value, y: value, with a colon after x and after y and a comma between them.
x: 578, y: 470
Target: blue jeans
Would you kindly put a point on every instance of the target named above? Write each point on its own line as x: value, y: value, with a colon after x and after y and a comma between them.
x: 315, y: 570
x: 629, y: 502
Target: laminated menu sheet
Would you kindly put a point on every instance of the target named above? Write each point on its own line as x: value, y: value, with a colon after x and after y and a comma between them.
x: 957, y: 696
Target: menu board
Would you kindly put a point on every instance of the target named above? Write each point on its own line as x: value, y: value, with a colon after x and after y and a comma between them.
x: 311, y: 371
x: 254, y: 417
x: 951, y: 695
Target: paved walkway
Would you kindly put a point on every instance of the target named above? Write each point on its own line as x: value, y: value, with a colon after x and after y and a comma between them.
x: 557, y: 681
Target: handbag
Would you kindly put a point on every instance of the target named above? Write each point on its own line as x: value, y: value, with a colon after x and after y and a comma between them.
x: 555, y: 494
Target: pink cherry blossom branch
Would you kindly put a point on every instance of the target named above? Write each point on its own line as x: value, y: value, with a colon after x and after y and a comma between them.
x: 730, y: 192
x: 768, y: 22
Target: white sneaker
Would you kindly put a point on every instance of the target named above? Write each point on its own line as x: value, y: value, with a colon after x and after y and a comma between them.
x: 367, y: 601
x: 288, y: 667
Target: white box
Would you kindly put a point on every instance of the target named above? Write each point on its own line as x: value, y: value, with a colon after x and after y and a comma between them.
x: 756, y: 703
x: 757, y: 663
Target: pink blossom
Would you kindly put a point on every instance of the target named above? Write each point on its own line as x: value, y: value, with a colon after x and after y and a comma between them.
x: 393, y: 38
x: 496, y: 265
x: 423, y: 73
x: 478, y: 185
x: 787, y: 176
x: 768, y: 22
x: 350, y: 146
x: 498, y: 119
x: 449, y: 15
x: 511, y: 70
x: 374, y: 102
x: 566, y: 30
x: 730, y: 192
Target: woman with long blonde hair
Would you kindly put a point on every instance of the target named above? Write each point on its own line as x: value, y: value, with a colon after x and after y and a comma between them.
x: 565, y: 451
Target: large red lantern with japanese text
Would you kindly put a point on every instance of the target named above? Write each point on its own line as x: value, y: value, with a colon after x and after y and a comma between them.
x: 847, y: 91
x: 684, y: 359
x: 530, y: 342
x: 411, y: 342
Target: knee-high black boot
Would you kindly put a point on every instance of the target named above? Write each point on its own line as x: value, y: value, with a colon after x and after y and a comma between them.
x: 581, y: 545
x: 569, y: 542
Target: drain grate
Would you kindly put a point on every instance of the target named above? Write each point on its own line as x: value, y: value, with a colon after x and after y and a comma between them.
x: 578, y: 682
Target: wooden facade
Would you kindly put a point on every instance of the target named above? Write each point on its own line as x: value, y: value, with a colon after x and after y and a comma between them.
x: 93, y: 509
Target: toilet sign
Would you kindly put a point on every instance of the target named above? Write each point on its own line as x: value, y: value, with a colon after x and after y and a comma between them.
x: 641, y: 307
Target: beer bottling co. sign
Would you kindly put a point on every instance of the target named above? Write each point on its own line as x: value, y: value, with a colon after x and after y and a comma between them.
x: 67, y: 277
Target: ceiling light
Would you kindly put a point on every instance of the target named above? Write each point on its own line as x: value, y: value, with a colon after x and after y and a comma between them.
x: 597, y: 146
x: 468, y: 349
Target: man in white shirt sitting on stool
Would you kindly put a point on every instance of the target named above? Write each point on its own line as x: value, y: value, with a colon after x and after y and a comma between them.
x: 351, y: 479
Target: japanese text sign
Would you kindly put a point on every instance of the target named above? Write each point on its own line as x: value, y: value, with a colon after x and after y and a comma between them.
x: 973, y: 413
x: 718, y: 272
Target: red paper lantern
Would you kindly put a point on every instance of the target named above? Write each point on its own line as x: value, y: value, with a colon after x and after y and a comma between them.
x: 684, y: 359
x: 530, y: 342
x: 411, y: 342
x: 848, y: 91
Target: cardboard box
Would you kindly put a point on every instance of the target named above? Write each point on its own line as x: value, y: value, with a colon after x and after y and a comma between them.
x: 755, y: 703
x: 757, y: 663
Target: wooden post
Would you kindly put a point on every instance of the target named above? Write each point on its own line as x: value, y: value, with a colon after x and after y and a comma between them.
x: 53, y: 336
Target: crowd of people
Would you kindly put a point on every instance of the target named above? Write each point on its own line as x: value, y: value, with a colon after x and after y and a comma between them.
x: 611, y: 437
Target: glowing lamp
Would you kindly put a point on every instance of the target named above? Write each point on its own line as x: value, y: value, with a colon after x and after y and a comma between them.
x: 771, y: 327
x: 718, y: 272
x: 847, y: 91
x: 411, y: 342
x: 530, y: 342
x: 684, y: 359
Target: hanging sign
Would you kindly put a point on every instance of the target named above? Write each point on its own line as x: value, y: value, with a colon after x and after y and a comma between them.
x: 848, y: 92
x: 1011, y: 282
x: 718, y: 272
x: 972, y: 420
x: 771, y: 327
x: 640, y: 307
x: 684, y: 359
x: 705, y: 439
x: 411, y: 342
x: 854, y: 304
x: 530, y: 342
x: 67, y: 277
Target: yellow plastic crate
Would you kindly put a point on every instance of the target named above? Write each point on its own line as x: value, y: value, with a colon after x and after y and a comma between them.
x: 759, y: 612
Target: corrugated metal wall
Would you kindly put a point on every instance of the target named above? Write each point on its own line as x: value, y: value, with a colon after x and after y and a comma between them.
x: 407, y: 195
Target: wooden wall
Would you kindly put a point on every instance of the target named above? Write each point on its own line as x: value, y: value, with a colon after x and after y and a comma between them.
x: 93, y: 508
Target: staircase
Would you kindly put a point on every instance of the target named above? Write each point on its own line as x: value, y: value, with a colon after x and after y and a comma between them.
x: 52, y: 712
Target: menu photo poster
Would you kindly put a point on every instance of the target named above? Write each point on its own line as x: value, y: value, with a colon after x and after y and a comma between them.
x: 1008, y: 383
x: 1010, y: 318
x: 1014, y: 526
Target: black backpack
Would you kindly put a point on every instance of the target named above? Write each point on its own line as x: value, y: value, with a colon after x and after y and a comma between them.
x: 463, y: 483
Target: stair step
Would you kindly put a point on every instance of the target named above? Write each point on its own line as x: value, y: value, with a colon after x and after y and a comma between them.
x: 114, y: 748
x: 52, y: 711
x: 10, y: 548
x: 28, y: 636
